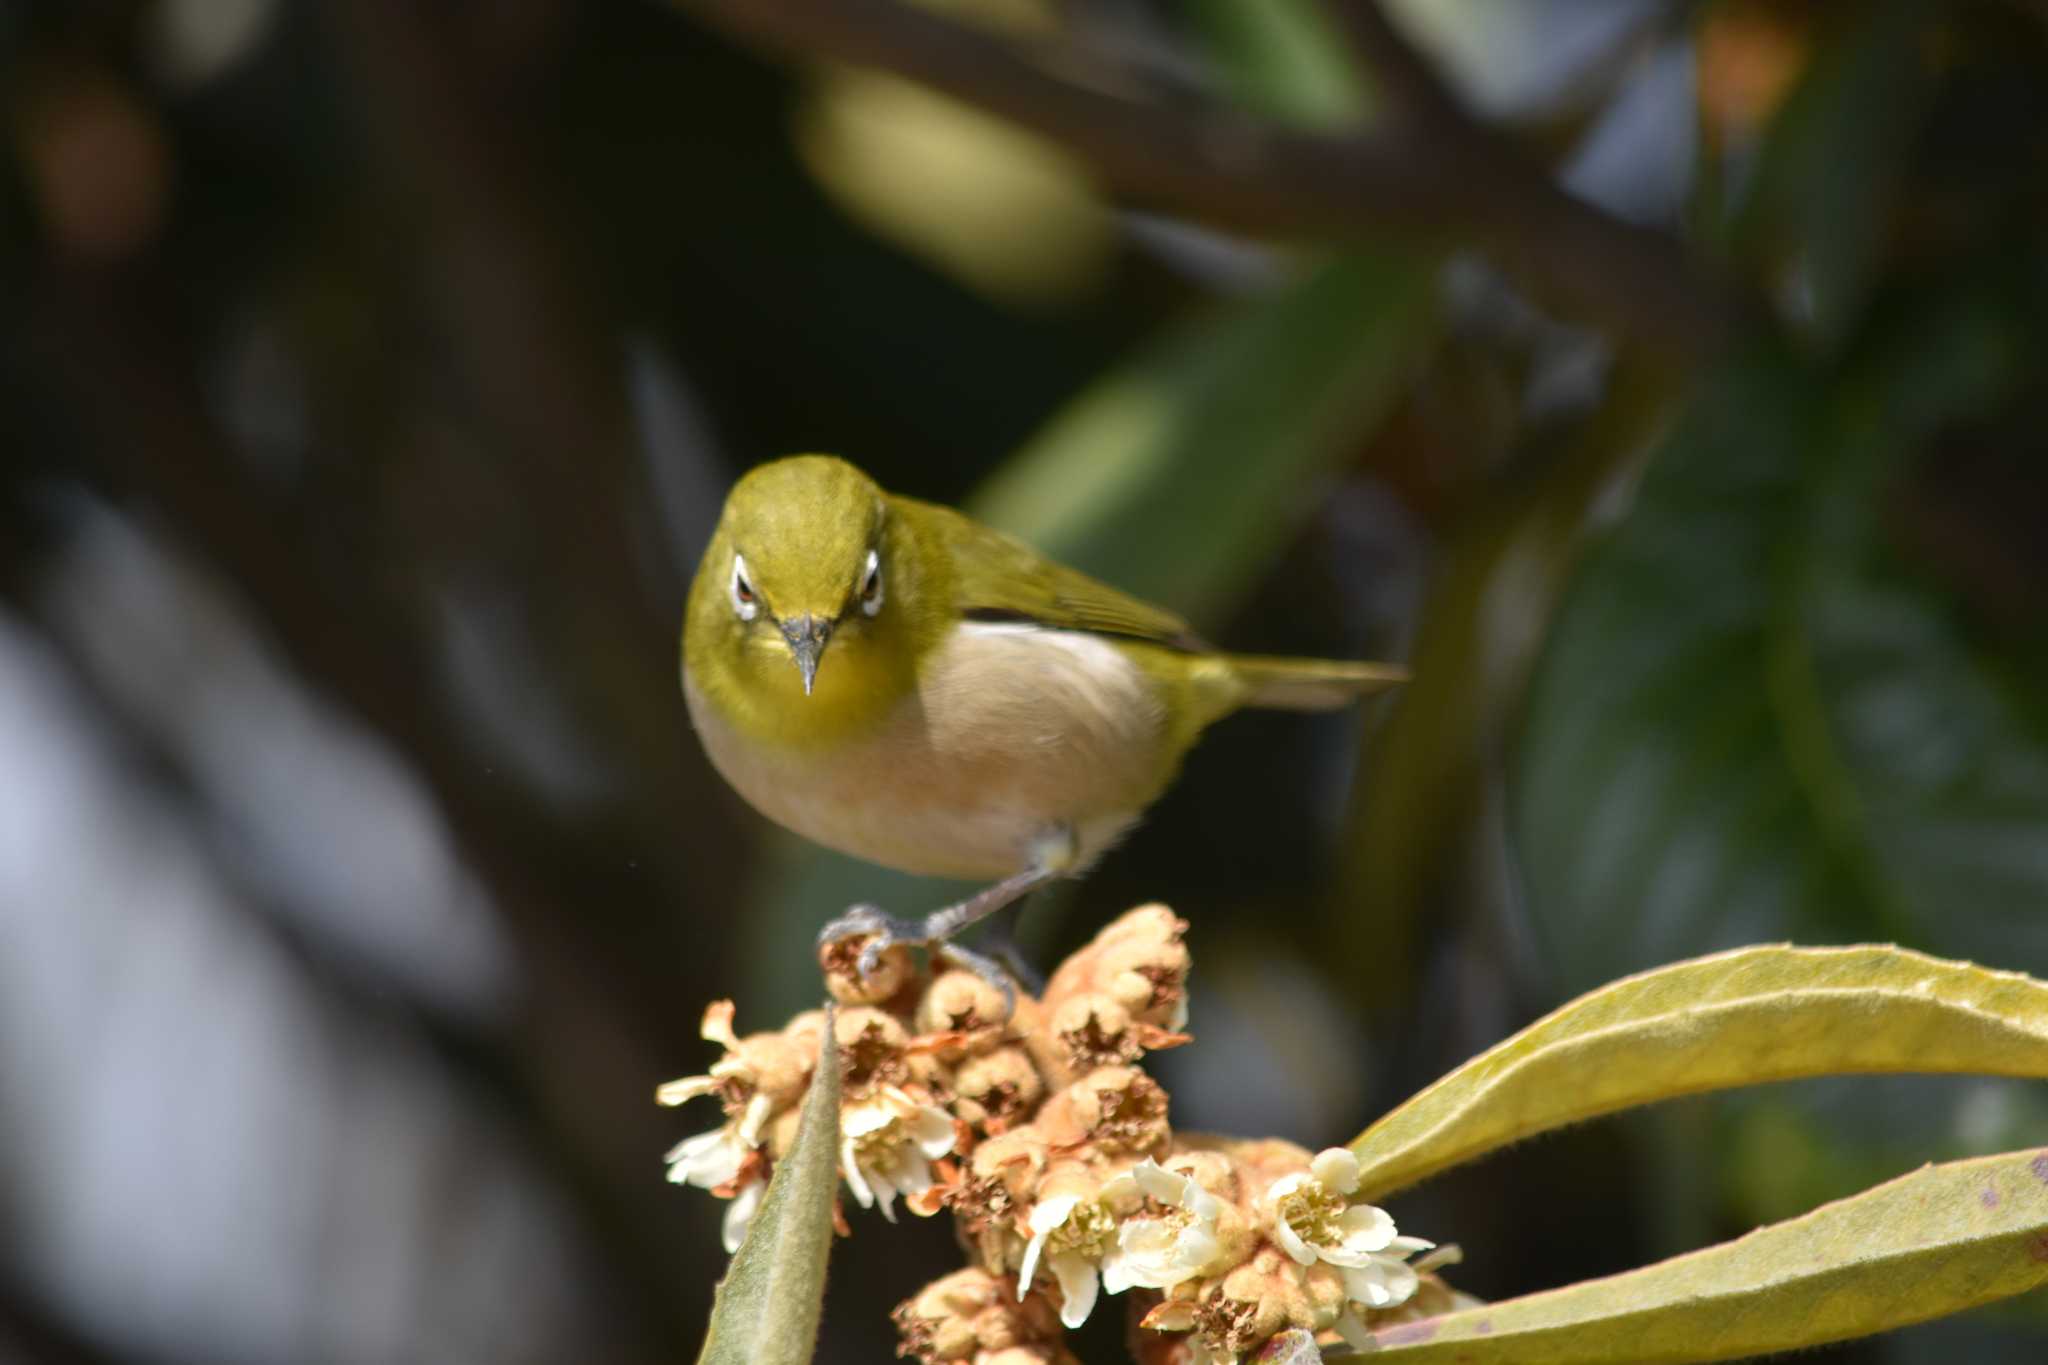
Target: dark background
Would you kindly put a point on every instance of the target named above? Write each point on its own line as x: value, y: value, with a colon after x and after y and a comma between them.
x: 372, y: 373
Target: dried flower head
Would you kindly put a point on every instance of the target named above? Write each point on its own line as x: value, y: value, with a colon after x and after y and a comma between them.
x: 1114, y: 1109
x: 997, y: 1090
x: 971, y: 1316
x: 1055, y: 1154
x: 1122, y: 995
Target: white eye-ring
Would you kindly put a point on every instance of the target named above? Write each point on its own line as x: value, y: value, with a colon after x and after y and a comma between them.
x: 743, y: 600
x: 871, y: 585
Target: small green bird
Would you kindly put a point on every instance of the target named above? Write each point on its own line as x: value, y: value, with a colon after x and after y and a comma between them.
x: 894, y: 680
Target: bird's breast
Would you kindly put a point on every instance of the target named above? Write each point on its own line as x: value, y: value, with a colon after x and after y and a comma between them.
x: 1010, y: 730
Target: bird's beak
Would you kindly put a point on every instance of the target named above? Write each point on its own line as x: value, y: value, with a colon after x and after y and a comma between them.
x: 807, y: 636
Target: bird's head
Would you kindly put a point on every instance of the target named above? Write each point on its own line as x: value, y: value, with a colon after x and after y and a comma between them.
x: 797, y: 596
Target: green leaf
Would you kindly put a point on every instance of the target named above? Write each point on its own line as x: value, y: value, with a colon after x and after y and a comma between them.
x: 1410, y: 833
x: 1741, y: 1018
x: 1834, y: 161
x: 1284, y: 59
x: 767, y: 1308
x: 1753, y: 721
x: 1176, y: 477
x: 1937, y: 1241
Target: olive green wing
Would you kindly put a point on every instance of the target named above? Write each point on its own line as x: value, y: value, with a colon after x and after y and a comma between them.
x: 998, y: 577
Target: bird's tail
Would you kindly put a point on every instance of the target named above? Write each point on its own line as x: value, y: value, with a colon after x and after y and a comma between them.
x: 1310, y: 684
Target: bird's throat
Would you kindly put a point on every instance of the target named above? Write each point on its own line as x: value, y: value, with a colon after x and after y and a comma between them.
x: 761, y: 694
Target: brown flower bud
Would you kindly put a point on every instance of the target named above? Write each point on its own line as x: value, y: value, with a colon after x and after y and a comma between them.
x: 1138, y: 961
x: 1002, y: 1175
x: 1257, y: 1299
x: 1114, y: 1109
x: 969, y: 1315
x: 999, y: 1090
x: 961, y: 1002
x: 872, y: 1045
x: 840, y: 962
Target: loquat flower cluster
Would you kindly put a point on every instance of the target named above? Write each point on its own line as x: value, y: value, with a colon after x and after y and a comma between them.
x: 1052, y: 1150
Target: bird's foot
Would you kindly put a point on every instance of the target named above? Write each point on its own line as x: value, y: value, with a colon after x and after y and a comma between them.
x: 883, y: 932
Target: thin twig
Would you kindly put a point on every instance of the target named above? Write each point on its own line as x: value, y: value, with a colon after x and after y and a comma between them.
x: 1428, y: 171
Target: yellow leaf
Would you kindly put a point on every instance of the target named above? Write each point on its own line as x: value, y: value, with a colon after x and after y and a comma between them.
x: 1937, y: 1241
x: 1002, y: 210
x: 1745, y: 1017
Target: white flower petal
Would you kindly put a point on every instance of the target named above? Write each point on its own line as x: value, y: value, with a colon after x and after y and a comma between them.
x: 1116, y: 1271
x: 1156, y: 1182
x: 856, y: 1179
x: 676, y: 1092
x: 1076, y: 1274
x: 1408, y: 1246
x: 1381, y: 1284
x: 863, y: 1119
x: 1158, y: 1255
x: 1284, y: 1186
x: 1335, y: 1169
x: 708, y: 1159
x: 754, y: 1119
x: 739, y: 1212
x: 1051, y: 1212
x: 1367, y: 1226
x: 1028, y: 1269
x: 1144, y: 1246
x: 1291, y: 1243
x: 912, y: 1174
x: 1193, y: 1250
x: 885, y: 1193
x: 1120, y: 1189
x: 932, y: 1130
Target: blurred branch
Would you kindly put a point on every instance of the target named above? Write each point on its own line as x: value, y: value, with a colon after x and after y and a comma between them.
x: 1428, y: 168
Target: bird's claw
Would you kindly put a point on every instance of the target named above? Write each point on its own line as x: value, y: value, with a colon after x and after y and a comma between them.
x: 883, y: 931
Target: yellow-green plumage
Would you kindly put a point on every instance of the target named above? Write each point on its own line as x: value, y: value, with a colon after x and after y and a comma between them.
x: 977, y: 708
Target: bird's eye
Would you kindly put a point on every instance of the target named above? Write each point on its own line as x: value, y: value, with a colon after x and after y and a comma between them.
x: 743, y: 600
x: 871, y: 585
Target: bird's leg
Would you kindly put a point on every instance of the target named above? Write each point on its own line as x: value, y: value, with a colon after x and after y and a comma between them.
x: 1050, y: 855
x: 1000, y: 943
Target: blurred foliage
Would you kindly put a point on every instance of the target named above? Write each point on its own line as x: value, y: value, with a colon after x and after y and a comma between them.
x: 371, y: 376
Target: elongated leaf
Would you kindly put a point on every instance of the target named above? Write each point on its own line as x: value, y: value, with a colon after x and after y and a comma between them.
x: 768, y: 1304
x: 1937, y: 1241
x: 1738, y: 1018
x: 1497, y: 581
x: 1834, y: 161
x: 1174, y: 478
x: 1283, y: 59
x: 1755, y: 720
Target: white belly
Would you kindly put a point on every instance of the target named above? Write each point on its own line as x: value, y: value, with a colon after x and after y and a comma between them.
x: 1014, y: 733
